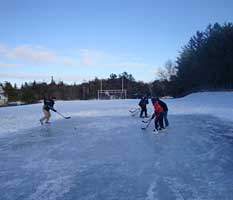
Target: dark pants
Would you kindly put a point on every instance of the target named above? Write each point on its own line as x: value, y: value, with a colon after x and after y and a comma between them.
x: 165, y: 118
x: 143, y: 110
x: 159, y: 121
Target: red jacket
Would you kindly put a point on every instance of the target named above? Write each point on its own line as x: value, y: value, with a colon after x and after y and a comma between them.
x: 158, y: 108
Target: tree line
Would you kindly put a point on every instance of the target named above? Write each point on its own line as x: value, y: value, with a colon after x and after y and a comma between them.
x: 32, y: 92
x: 204, y: 63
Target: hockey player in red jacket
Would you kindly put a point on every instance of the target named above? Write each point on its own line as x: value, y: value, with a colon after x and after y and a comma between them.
x: 158, y: 114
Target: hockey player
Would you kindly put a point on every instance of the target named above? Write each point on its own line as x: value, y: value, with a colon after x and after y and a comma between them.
x: 143, y: 103
x: 48, y: 105
x: 158, y: 114
x: 165, y: 111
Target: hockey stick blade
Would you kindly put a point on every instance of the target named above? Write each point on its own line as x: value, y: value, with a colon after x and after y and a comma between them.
x: 62, y: 115
x: 148, y: 123
x: 134, y: 110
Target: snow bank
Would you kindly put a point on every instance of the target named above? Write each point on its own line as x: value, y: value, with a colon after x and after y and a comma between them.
x: 218, y: 104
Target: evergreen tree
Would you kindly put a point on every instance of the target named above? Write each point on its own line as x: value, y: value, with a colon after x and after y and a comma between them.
x: 11, y: 92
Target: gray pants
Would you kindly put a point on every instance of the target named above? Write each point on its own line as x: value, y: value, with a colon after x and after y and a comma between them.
x: 165, y: 113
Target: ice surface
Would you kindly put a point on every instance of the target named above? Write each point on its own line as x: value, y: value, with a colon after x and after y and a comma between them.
x: 101, y: 153
x: 218, y: 104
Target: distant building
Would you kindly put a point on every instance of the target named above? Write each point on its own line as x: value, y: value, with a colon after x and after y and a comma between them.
x: 3, y: 97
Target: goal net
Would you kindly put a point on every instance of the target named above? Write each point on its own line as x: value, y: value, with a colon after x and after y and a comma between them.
x: 112, y: 94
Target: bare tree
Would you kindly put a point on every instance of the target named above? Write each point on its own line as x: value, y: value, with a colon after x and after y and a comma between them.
x: 166, y: 72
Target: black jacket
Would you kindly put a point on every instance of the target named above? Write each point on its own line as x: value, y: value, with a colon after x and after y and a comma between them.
x: 48, y: 104
x: 143, y: 102
x: 163, y: 105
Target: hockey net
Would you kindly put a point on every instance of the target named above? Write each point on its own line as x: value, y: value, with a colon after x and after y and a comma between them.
x: 112, y: 94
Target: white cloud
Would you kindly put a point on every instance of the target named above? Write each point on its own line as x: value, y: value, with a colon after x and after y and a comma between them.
x: 91, y: 57
x: 23, y: 76
x: 9, y: 65
x: 33, y: 54
x: 41, y: 77
x: 69, y: 61
x: 3, y: 49
x: 38, y: 55
x: 103, y: 59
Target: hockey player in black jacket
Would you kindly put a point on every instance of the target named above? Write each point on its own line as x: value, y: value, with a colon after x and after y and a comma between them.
x: 48, y: 105
x: 165, y: 111
x: 143, y: 102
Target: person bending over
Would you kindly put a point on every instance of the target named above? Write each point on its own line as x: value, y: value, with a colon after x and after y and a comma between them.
x: 158, y: 114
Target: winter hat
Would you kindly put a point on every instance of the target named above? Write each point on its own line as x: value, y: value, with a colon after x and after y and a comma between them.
x: 153, y: 100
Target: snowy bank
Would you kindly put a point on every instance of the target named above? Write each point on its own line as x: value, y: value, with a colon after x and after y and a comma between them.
x: 218, y: 104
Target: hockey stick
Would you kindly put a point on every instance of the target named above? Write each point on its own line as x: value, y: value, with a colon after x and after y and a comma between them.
x: 134, y: 110
x: 145, y: 121
x: 62, y: 115
x: 148, y: 123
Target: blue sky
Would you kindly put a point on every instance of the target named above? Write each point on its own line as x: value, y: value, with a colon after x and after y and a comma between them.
x: 77, y: 40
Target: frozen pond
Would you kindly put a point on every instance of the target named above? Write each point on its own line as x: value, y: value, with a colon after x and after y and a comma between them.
x: 111, y: 158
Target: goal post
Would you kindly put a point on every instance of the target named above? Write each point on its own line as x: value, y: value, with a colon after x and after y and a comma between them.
x: 112, y: 94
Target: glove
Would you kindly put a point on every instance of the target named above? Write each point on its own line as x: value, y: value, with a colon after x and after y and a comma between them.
x: 54, y: 110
